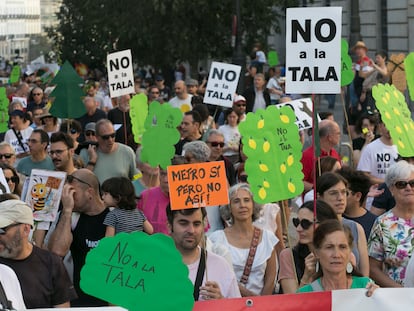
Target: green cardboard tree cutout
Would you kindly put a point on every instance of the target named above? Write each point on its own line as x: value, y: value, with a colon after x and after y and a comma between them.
x: 347, y: 74
x: 138, y: 272
x: 15, y: 74
x: 272, y: 58
x: 409, y: 73
x: 67, y: 94
x: 160, y: 134
x: 273, y: 149
x: 138, y: 113
x: 396, y: 116
x: 4, y: 112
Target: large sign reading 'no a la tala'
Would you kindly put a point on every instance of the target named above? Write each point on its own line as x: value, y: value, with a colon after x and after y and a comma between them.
x: 197, y: 185
x: 313, y: 50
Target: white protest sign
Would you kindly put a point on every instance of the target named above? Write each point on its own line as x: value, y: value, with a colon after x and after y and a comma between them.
x: 303, y: 112
x: 222, y: 84
x: 120, y: 73
x: 22, y: 100
x: 313, y: 50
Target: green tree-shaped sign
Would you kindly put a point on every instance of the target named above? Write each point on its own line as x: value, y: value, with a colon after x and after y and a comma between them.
x: 138, y: 113
x: 347, y: 74
x: 4, y: 113
x: 67, y: 94
x: 160, y: 134
x: 409, y: 73
x: 396, y: 116
x: 271, y: 143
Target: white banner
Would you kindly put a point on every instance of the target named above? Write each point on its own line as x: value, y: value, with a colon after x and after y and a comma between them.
x: 303, y: 112
x: 313, y: 50
x: 222, y: 84
x: 120, y: 73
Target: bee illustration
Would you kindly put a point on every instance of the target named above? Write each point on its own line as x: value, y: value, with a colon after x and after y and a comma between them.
x: 39, y: 195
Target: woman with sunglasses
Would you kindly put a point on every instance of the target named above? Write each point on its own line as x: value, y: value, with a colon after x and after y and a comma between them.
x: 332, y: 242
x: 301, y: 270
x: 252, y: 249
x: 390, y: 243
x: 12, y: 178
x: 333, y: 189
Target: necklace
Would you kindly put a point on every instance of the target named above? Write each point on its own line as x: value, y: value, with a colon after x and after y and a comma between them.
x: 325, y: 288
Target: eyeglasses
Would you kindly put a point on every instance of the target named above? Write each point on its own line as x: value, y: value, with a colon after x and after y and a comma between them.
x: 71, y: 178
x: 4, y: 229
x: 337, y: 193
x: 106, y: 137
x: 89, y: 133
x: 402, y: 184
x: 304, y: 223
x: 13, y: 179
x: 6, y: 155
x: 57, y: 152
x: 216, y: 144
x: 243, y: 178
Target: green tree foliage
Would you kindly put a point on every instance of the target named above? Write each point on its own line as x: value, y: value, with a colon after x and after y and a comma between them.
x: 160, y: 31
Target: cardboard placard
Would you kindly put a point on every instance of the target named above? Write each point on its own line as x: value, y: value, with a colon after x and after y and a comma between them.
x: 120, y: 73
x: 313, y: 45
x: 197, y: 185
x: 222, y: 84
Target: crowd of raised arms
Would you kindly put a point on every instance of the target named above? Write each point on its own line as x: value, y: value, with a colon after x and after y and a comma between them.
x: 354, y: 223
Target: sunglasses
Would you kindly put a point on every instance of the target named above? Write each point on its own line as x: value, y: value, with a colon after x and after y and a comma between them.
x: 106, y: 137
x: 73, y: 131
x: 37, y: 94
x: 13, y: 179
x: 6, y: 155
x: 216, y: 144
x: 402, y: 184
x: 243, y: 178
x: 71, y: 178
x: 241, y: 105
x: 89, y: 133
x: 304, y: 223
x: 57, y: 152
x: 4, y: 229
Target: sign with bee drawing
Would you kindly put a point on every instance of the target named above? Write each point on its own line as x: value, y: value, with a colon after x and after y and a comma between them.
x: 44, y: 192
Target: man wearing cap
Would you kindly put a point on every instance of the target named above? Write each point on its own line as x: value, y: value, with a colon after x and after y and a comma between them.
x: 186, y: 228
x: 43, y: 278
x: 165, y: 91
x: 120, y: 115
x: 80, y: 194
x: 239, y: 107
x: 38, y: 158
x: 182, y: 99
x: 89, y: 132
x: 192, y: 86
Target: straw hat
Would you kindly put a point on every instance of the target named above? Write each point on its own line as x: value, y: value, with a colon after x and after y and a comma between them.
x: 360, y: 44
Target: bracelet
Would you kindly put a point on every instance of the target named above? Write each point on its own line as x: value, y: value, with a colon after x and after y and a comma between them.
x: 92, y: 163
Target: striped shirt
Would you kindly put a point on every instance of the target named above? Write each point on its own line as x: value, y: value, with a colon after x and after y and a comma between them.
x: 125, y: 220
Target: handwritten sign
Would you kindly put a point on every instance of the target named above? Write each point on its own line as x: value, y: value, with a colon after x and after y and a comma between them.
x: 303, y: 112
x: 222, y: 84
x: 131, y: 270
x: 197, y: 185
x: 313, y: 45
x: 120, y: 73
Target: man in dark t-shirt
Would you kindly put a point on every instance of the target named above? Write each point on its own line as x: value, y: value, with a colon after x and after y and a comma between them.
x: 43, y: 278
x: 80, y: 194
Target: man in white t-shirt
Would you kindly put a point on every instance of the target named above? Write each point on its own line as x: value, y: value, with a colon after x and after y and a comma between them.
x: 182, y: 99
x: 187, y: 228
x: 12, y: 288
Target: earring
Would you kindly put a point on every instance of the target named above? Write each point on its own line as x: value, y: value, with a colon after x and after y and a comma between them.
x: 317, y: 267
x: 349, y: 268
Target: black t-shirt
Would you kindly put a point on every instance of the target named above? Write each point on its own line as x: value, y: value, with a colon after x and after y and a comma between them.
x: 85, y: 119
x: 87, y: 234
x: 43, y: 279
x: 366, y: 221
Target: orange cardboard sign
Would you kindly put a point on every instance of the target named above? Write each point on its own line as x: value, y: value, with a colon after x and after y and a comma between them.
x: 197, y: 185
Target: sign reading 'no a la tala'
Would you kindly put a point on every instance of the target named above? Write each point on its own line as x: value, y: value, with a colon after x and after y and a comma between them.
x: 313, y: 50
x: 222, y: 84
x: 120, y: 73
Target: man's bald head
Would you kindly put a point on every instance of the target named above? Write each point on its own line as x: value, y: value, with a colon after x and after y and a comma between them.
x: 89, y: 177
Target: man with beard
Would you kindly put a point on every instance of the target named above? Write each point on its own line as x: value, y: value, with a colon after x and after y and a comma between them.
x: 43, y: 278
x: 186, y: 227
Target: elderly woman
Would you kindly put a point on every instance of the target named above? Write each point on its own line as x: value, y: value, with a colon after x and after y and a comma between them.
x: 297, y: 265
x: 390, y: 242
x: 252, y: 249
x: 196, y: 152
x: 333, y: 189
x: 332, y: 246
x: 12, y: 178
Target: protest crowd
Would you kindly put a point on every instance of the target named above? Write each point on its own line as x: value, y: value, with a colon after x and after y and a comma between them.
x: 354, y: 220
